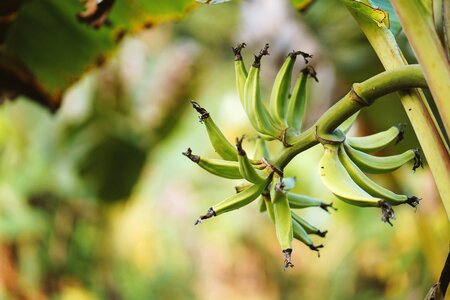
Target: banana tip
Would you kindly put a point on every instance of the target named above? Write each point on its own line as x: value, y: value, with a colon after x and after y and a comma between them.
x: 287, y: 259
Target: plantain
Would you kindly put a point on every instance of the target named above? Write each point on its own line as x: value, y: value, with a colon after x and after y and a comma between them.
x: 222, y: 168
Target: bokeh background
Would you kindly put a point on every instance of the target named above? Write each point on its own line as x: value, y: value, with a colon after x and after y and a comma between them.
x: 97, y: 202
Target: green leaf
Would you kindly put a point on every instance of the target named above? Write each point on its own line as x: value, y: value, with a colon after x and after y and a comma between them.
x: 301, y: 5
x: 47, y: 47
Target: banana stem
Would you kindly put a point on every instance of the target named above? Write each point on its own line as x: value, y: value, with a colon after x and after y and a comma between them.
x: 417, y: 23
x: 361, y: 95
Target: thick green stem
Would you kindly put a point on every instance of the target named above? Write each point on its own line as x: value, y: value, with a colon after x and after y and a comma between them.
x: 419, y: 28
x: 416, y: 107
x: 362, y: 95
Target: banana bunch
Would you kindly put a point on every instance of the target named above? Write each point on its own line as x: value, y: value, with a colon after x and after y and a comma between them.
x: 281, y: 117
x: 261, y: 180
x: 342, y: 167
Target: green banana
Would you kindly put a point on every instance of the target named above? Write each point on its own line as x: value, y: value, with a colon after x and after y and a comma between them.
x: 254, y: 106
x: 303, y: 201
x: 242, y: 186
x: 372, y: 187
x: 338, y: 181
x: 301, y: 235
x: 377, y: 141
x: 240, y: 70
x: 347, y: 124
x: 219, y: 142
x: 280, y: 90
x: 222, y: 168
x: 283, y: 222
x: 382, y: 164
x: 310, y: 229
x: 235, y: 201
x: 245, y: 167
x: 297, y: 102
x: 261, y: 149
x: 269, y: 206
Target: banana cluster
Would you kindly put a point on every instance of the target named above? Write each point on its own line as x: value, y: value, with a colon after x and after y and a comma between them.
x: 342, y: 167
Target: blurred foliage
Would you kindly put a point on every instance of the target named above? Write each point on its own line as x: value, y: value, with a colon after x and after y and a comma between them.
x: 50, y: 43
x: 97, y: 202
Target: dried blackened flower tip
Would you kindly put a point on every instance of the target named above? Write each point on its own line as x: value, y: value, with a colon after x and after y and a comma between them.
x: 387, y: 213
x: 239, y: 148
x: 401, y: 134
x: 413, y: 201
x: 204, y: 114
x: 287, y: 259
x: 209, y: 214
x: 417, y: 160
x: 322, y: 233
x: 188, y: 154
x: 262, y: 52
x: 304, y: 55
x: 326, y: 206
x: 316, y: 248
x: 311, y: 72
x: 237, y: 51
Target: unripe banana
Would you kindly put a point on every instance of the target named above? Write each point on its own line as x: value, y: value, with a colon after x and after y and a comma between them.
x: 269, y: 206
x: 222, y: 168
x: 261, y: 149
x: 280, y: 90
x: 303, y: 201
x: 297, y: 102
x: 235, y: 201
x: 301, y: 235
x: 283, y: 222
x: 245, y: 167
x: 377, y: 141
x: 347, y: 124
x: 309, y: 228
x: 338, y: 181
x: 240, y: 70
x: 219, y: 142
x: 372, y: 187
x: 254, y: 106
x: 382, y: 164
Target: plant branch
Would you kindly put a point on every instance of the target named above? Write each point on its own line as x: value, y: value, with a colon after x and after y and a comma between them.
x: 361, y: 95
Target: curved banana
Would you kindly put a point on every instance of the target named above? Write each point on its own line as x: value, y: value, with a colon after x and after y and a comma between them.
x: 339, y: 182
x: 219, y: 142
x: 280, y: 90
x: 235, y: 201
x: 261, y: 149
x: 303, y: 201
x: 222, y: 168
x: 372, y: 187
x: 347, y: 124
x: 283, y: 222
x: 240, y: 71
x: 336, y: 178
x: 377, y: 141
x: 269, y: 206
x: 254, y: 106
x: 297, y: 101
x: 382, y: 164
x: 310, y: 229
x: 301, y: 235
x: 245, y: 166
